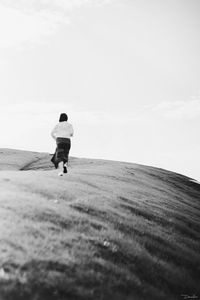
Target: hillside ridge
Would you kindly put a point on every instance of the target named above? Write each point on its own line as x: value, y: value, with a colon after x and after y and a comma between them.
x: 106, y: 229
x: 36, y: 157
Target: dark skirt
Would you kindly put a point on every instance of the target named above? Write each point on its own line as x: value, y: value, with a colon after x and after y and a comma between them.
x: 62, y: 151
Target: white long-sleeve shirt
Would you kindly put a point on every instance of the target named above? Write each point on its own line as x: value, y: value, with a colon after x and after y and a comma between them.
x: 63, y: 130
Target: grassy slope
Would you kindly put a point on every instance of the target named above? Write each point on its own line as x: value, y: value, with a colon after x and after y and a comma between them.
x: 106, y: 229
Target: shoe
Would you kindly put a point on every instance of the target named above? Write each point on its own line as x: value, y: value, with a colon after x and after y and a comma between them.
x: 60, y: 174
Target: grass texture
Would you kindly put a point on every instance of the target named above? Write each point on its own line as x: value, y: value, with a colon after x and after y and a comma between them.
x: 106, y: 230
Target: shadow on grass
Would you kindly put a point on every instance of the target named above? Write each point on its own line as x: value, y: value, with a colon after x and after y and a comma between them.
x: 172, y: 221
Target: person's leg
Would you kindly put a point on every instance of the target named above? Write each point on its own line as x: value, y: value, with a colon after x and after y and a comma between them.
x: 67, y: 148
x: 65, y: 168
x: 60, y: 168
x: 53, y: 160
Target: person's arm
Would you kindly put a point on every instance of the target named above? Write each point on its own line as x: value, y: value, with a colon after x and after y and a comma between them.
x: 53, y: 133
x: 72, y: 131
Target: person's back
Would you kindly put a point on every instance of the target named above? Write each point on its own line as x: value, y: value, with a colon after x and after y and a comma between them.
x: 63, y: 130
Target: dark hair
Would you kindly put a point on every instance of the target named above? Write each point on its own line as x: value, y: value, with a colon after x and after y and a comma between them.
x: 63, y: 117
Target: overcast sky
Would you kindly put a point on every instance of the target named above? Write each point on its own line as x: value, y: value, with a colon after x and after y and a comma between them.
x: 127, y: 72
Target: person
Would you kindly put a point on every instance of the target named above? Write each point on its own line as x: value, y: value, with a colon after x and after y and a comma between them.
x: 62, y: 133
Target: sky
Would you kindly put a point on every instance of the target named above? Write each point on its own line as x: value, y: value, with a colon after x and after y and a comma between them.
x: 127, y: 73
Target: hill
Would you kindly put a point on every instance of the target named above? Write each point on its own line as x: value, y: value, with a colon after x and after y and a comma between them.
x: 106, y: 230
